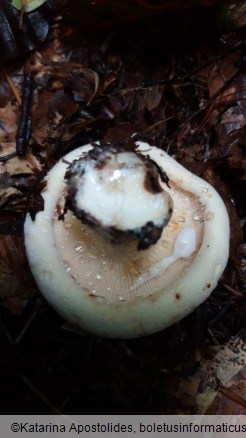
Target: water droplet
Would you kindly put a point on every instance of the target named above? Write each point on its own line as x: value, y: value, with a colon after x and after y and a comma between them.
x: 104, y: 262
x: 121, y: 298
x: 99, y: 276
x: 175, y: 209
x: 67, y: 225
x: 108, y: 288
x: 197, y: 216
x: 205, y: 189
x: 93, y: 292
x: 182, y: 217
x: 67, y: 265
x: 79, y: 247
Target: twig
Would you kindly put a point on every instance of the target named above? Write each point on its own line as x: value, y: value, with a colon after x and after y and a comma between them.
x: 12, y: 86
x: 40, y: 395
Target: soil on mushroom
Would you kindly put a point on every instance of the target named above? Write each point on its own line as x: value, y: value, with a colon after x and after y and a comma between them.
x: 181, y: 90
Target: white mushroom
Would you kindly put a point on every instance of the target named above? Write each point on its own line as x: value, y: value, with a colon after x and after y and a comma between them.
x: 111, y: 288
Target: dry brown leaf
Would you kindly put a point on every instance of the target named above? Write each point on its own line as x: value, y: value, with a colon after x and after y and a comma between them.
x: 222, y: 367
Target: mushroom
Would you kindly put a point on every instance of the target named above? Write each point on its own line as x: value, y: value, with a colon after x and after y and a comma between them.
x: 110, y: 270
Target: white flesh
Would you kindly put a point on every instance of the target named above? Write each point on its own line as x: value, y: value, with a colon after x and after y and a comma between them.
x: 115, y: 195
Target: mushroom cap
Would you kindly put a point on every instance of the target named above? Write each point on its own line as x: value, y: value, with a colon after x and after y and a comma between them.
x: 117, y: 291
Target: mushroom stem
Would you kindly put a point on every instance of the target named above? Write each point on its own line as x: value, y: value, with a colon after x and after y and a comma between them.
x: 119, y: 194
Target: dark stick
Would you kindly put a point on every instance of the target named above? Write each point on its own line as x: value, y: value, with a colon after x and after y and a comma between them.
x: 8, y: 157
x: 24, y: 127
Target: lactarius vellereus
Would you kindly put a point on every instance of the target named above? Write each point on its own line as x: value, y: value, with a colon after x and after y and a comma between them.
x: 129, y: 242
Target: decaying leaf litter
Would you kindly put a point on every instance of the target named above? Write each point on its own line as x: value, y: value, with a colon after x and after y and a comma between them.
x: 187, y: 96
